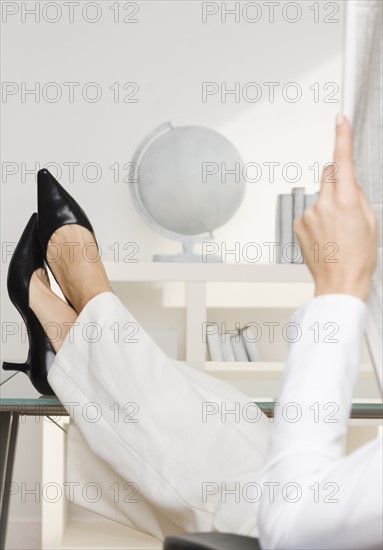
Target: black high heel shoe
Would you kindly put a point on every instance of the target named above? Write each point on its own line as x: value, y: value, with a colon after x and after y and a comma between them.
x: 56, y: 207
x: 26, y: 258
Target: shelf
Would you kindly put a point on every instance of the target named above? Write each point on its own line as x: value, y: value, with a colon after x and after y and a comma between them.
x: 262, y: 381
x: 239, y: 369
x: 205, y: 272
x: 106, y: 534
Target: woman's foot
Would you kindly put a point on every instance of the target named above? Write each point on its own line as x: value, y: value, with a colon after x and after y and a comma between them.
x: 55, y: 315
x: 74, y: 259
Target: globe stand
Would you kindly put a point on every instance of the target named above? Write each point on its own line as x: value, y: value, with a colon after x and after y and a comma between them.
x: 218, y: 149
x: 187, y: 255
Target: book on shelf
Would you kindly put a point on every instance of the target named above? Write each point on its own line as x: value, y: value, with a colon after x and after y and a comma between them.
x: 214, y: 345
x: 285, y: 227
x: 291, y: 206
x: 298, y: 209
x: 227, y: 349
x: 249, y: 339
x: 239, y: 347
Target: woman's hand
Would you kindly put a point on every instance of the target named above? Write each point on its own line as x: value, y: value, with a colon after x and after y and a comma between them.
x: 338, y: 235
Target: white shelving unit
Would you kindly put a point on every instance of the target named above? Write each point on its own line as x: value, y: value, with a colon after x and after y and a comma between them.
x: 199, y: 278
x: 199, y: 288
x: 205, y: 272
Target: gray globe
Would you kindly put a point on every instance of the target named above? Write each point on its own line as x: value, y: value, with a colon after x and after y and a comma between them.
x: 181, y: 181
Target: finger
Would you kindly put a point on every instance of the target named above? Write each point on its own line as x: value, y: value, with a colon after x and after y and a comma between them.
x: 343, y: 158
x: 328, y: 181
x: 343, y: 140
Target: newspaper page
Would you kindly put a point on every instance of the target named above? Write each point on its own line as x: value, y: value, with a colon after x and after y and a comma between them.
x: 362, y: 103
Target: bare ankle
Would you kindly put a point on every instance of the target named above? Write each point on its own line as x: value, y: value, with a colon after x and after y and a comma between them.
x: 55, y: 316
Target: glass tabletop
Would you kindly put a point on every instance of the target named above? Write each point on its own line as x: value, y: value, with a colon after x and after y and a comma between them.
x: 17, y: 395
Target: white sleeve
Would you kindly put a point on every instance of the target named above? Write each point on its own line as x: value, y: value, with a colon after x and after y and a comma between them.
x: 312, y: 496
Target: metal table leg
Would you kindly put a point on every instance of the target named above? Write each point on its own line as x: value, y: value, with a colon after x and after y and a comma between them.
x: 9, y: 423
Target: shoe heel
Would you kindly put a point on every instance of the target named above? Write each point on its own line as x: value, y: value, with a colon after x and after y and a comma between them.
x: 21, y: 367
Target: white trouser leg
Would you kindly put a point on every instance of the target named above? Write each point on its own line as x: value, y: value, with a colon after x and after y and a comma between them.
x: 146, y: 427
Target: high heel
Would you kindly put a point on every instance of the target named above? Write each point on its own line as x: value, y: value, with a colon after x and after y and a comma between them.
x: 25, y: 260
x: 56, y: 207
x: 21, y: 367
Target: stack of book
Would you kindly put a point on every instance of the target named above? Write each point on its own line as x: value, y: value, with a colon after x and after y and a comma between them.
x: 291, y: 206
x: 233, y: 347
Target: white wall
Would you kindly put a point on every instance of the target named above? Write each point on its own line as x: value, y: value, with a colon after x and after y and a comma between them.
x: 169, y: 53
